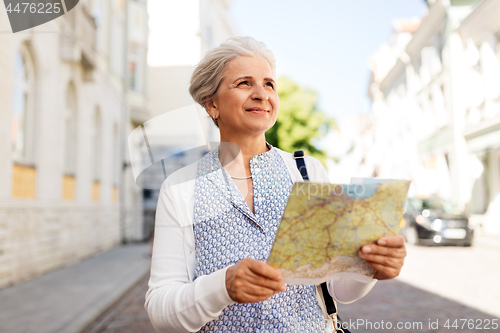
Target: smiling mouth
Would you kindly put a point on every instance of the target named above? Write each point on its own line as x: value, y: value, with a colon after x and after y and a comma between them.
x: 257, y: 110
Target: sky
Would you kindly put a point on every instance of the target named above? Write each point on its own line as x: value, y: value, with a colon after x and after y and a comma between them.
x: 325, y: 44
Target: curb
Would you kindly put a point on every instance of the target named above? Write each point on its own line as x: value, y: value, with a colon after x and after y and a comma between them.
x: 95, y: 315
x: 71, y: 299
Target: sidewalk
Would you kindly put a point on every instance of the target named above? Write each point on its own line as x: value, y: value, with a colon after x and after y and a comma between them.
x: 68, y: 300
x: 127, y: 315
x: 487, y: 241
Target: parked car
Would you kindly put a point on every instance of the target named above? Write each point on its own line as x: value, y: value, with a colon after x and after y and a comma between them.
x: 434, y: 221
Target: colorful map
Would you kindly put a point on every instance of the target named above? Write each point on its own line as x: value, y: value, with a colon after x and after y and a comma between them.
x: 324, y: 226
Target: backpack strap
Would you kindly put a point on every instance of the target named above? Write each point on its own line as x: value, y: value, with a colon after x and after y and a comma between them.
x: 299, y: 155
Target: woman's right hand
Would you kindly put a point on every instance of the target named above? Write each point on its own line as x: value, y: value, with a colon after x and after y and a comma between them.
x: 251, y: 281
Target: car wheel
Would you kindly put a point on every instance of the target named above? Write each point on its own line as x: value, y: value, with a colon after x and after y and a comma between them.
x: 412, y: 236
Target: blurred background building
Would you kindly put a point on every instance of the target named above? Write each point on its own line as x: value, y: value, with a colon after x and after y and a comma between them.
x: 435, y: 113
x: 74, y: 89
x: 180, y: 33
x: 71, y: 91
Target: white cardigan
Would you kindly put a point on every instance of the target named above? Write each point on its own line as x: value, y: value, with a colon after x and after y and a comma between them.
x: 176, y: 303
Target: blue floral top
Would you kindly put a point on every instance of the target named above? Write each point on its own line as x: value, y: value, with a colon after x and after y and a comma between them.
x: 226, y: 231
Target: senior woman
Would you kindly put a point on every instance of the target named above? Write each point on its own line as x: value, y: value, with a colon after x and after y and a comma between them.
x: 216, y: 219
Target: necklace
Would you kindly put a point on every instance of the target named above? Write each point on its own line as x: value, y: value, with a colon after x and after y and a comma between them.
x: 241, y: 177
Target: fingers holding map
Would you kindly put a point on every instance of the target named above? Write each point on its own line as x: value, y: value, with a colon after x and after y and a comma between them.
x: 387, y: 256
x: 325, y: 225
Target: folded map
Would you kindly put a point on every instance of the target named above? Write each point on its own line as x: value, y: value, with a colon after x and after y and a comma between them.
x: 324, y: 226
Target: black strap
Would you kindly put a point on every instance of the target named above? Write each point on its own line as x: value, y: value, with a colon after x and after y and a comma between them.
x: 329, y: 303
x: 298, y: 155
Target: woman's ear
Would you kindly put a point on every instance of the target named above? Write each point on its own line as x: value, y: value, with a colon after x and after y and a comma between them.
x: 211, y: 108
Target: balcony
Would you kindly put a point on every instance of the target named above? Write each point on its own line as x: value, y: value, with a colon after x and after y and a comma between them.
x: 78, y: 39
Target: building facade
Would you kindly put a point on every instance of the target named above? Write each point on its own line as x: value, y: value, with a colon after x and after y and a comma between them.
x: 65, y: 111
x: 480, y: 44
x: 435, y: 91
x: 180, y: 35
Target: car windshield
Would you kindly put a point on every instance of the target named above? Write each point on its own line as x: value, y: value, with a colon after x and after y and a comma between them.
x: 434, y: 205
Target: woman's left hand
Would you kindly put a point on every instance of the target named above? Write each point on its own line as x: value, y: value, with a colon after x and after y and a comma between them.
x: 387, y: 256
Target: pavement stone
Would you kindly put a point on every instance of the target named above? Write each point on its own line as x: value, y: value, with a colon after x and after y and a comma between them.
x: 390, y: 301
x: 396, y: 302
x: 127, y: 315
x: 465, y: 275
x: 70, y: 299
x: 436, y: 285
x: 427, y: 293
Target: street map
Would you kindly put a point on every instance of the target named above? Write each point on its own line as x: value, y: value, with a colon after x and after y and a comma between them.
x: 325, y: 225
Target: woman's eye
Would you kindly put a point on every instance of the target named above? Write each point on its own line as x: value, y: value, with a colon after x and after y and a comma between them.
x: 243, y: 82
x: 270, y: 84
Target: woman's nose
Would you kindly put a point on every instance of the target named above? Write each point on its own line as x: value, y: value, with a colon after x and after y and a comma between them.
x: 260, y: 93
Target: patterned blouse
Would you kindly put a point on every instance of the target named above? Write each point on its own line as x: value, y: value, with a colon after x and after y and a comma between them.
x: 227, y: 231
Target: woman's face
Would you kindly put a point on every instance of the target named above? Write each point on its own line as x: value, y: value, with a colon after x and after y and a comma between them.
x: 247, y: 101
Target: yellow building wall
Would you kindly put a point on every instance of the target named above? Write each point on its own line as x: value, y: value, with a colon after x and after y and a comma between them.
x: 96, y: 191
x: 23, y: 182
x: 68, y: 187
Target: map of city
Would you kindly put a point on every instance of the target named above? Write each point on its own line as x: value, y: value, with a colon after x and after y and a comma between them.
x: 324, y: 226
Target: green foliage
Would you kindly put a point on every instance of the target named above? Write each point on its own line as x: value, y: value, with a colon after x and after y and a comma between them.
x: 300, y: 124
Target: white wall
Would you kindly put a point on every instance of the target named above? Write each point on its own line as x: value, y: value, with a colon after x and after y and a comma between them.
x: 41, y: 234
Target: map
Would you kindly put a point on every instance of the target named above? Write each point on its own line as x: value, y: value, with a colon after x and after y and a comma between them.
x: 325, y: 225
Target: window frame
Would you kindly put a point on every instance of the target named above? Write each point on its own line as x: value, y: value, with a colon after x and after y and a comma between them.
x: 29, y: 86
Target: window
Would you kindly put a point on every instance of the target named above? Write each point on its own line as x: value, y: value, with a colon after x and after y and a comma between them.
x: 97, y: 150
x: 116, y: 163
x: 22, y: 126
x: 22, y: 107
x: 132, y: 67
x: 136, y: 67
x: 70, y: 130
x: 97, y: 145
x: 69, y: 138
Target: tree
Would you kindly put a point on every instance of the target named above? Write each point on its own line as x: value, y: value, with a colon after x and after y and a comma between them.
x: 300, y: 123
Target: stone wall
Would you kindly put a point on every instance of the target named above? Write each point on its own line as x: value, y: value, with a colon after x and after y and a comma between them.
x: 37, y: 239
x: 53, y: 219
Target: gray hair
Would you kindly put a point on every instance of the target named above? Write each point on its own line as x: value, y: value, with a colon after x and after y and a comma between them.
x: 209, y: 72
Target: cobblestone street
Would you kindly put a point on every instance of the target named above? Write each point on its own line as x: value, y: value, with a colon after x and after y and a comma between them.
x: 436, y: 285
x: 396, y: 303
x: 128, y: 315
